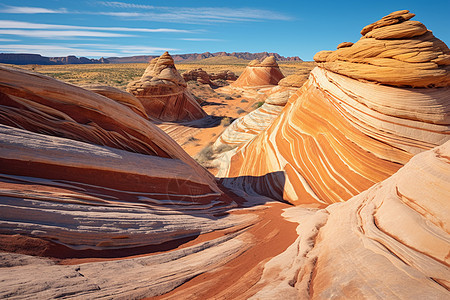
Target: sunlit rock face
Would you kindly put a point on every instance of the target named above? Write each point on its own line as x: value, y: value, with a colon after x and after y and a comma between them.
x: 247, y: 127
x: 163, y: 92
x: 340, y: 134
x: 395, y: 51
x: 395, y: 235
x: 260, y: 74
x: 88, y: 172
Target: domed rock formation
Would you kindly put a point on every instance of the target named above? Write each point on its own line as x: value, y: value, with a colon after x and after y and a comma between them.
x: 337, y: 136
x: 81, y: 170
x: 394, y: 51
x: 163, y: 92
x: 395, y: 234
x: 260, y: 74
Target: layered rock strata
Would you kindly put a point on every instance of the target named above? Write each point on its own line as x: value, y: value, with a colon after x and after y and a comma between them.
x: 260, y: 74
x: 394, y: 51
x: 247, y: 127
x: 395, y: 234
x: 163, y: 92
x: 338, y: 135
x: 85, y: 172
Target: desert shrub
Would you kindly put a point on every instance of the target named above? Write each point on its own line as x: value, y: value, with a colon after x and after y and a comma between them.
x: 258, y: 104
x: 244, y: 101
x: 228, y: 98
x: 240, y: 111
x: 225, y: 121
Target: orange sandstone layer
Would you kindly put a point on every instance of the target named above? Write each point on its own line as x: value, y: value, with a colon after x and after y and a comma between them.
x: 163, y: 92
x: 390, y: 241
x: 394, y: 51
x: 260, y: 74
x: 336, y: 137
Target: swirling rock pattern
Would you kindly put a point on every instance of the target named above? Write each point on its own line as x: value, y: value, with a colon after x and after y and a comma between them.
x: 337, y: 136
x: 394, y: 51
x: 260, y: 74
x: 163, y: 92
x: 395, y: 235
x: 119, y: 96
x: 247, y: 127
x: 87, y: 172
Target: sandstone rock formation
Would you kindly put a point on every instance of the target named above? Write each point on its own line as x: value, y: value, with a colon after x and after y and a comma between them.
x: 203, y: 77
x: 395, y: 235
x: 86, y: 172
x: 260, y: 74
x: 119, y: 96
x: 247, y: 127
x: 337, y: 136
x: 394, y: 51
x: 163, y: 92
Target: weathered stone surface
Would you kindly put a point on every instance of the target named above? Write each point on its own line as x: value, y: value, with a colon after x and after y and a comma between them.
x: 393, y: 51
x: 163, y: 93
x: 260, y: 74
x: 203, y: 77
x: 338, y: 136
x: 119, y: 96
x: 395, y: 235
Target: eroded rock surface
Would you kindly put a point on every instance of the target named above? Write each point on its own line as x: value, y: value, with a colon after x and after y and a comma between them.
x: 163, y: 92
x: 260, y: 74
x: 394, y: 51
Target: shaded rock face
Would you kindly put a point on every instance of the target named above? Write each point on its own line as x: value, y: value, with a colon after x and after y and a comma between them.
x: 394, y: 51
x: 203, y: 77
x: 163, y: 93
x: 88, y: 172
x: 260, y: 74
x: 337, y: 136
x: 395, y: 234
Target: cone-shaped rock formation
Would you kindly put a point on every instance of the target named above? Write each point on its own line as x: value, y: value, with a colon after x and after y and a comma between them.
x: 163, y: 92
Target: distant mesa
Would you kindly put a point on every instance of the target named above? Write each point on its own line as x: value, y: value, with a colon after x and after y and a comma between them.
x: 353, y: 123
x: 394, y: 51
x: 199, y: 56
x: 28, y: 59
x: 260, y: 74
x: 163, y: 92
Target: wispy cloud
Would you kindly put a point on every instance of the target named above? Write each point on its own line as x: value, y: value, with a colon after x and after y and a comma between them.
x: 27, y: 25
x: 31, y: 10
x: 90, y: 50
x: 54, y: 34
x: 192, y: 14
x: 201, y: 40
x: 125, y: 5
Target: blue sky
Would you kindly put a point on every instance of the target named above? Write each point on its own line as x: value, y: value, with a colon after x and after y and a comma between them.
x: 127, y: 28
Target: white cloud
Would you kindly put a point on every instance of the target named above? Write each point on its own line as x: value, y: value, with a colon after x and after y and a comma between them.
x: 28, y: 25
x: 192, y: 14
x: 60, y: 34
x: 201, y: 40
x: 97, y: 50
x: 31, y: 10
